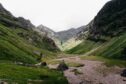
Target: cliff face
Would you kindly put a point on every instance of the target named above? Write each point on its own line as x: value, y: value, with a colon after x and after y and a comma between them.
x: 110, y: 21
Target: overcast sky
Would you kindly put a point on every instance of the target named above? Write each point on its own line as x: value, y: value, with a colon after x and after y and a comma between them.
x: 55, y: 14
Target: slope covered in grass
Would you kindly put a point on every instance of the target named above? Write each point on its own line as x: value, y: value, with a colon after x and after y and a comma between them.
x: 16, y: 48
x: 18, y: 40
x: 83, y: 47
x: 21, y: 75
x: 113, y: 48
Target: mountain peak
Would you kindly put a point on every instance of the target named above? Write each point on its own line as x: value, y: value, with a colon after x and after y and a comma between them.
x: 44, y: 28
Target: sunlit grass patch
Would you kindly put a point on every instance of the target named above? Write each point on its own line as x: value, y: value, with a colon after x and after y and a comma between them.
x: 70, y: 64
x: 53, y: 62
x: 74, y: 64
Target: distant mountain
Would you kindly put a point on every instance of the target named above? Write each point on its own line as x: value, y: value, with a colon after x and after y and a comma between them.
x: 68, y: 34
x: 45, y: 31
x: 64, y: 39
x: 62, y: 35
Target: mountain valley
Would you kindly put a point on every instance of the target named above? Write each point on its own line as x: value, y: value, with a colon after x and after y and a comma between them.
x: 91, y: 54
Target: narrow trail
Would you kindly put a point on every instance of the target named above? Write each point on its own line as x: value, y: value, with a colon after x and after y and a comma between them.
x: 93, y: 72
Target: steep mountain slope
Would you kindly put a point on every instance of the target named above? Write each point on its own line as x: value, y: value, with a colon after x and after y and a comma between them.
x: 106, y: 35
x: 19, y: 42
x: 110, y: 21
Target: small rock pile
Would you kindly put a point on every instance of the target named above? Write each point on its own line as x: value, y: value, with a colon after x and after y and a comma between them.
x: 123, y: 74
x: 62, y: 66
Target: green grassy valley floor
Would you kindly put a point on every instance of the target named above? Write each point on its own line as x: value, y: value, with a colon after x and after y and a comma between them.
x: 22, y: 75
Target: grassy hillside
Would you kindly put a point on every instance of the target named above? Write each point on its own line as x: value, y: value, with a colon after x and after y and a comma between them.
x: 83, y: 47
x: 16, y: 48
x: 21, y: 75
x: 114, y: 48
x: 68, y: 44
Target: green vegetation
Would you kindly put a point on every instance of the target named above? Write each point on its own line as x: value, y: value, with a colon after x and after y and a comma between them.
x: 110, y: 49
x: 108, y: 62
x: 53, y: 62
x: 25, y: 46
x: 113, y: 48
x: 74, y: 64
x: 69, y: 44
x: 21, y: 74
x: 19, y: 43
x: 84, y: 47
x: 16, y: 48
x: 70, y: 64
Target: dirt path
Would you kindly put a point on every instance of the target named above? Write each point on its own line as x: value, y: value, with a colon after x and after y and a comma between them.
x: 93, y: 72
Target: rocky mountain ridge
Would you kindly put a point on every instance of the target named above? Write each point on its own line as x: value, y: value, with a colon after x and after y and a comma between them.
x: 6, y: 18
x: 61, y: 35
x: 110, y: 21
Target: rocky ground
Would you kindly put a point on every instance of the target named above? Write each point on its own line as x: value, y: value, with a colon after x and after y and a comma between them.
x: 93, y: 72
